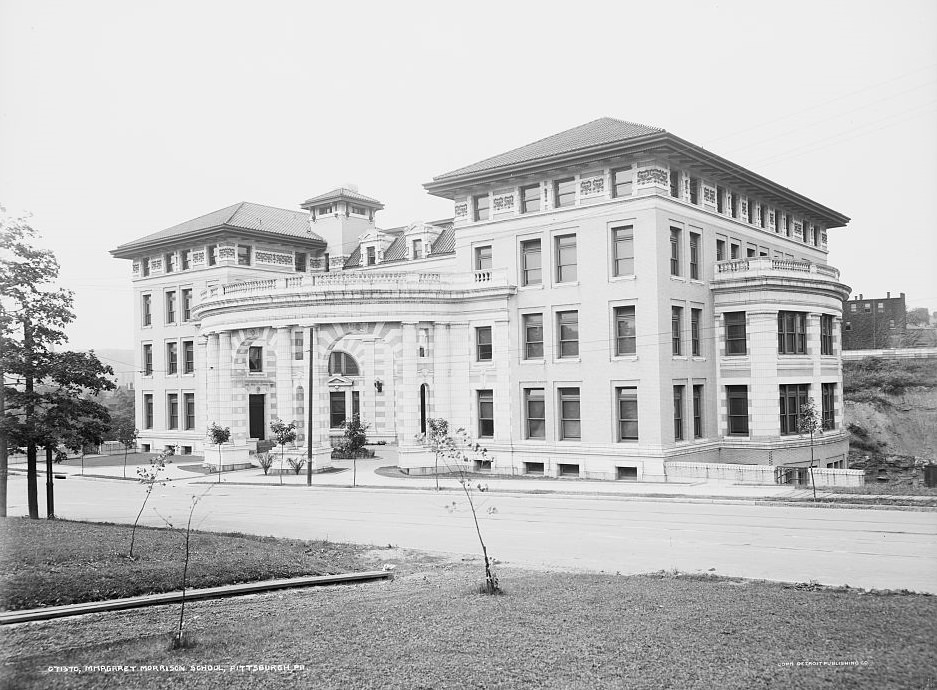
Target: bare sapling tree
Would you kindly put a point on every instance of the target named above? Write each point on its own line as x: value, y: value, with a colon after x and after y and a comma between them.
x: 149, y: 477
x: 219, y: 435
x: 463, y: 451
x: 437, y: 439
x: 283, y: 433
x: 810, y: 422
x: 181, y: 638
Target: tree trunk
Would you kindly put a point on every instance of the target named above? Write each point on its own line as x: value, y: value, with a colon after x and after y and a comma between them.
x: 50, y: 489
x: 32, y: 479
x: 3, y: 436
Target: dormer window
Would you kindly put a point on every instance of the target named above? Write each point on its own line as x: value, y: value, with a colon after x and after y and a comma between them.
x: 324, y: 210
x: 417, y: 249
x: 359, y: 210
x: 371, y: 256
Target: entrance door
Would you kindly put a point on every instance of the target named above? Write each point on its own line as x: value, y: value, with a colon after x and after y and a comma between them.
x: 255, y: 416
x: 423, y: 390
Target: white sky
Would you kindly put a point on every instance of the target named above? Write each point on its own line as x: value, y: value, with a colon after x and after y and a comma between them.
x: 118, y: 119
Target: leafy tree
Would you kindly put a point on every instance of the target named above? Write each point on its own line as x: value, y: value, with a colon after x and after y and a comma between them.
x: 462, y: 449
x: 219, y: 435
x: 810, y: 422
x: 283, y: 433
x: 918, y: 317
x: 436, y: 439
x: 39, y: 383
x: 125, y: 430
x: 353, y: 441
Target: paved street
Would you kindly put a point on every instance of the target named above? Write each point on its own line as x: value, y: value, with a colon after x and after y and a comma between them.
x: 864, y: 548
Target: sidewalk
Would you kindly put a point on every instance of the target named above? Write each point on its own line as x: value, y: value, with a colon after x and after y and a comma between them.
x: 341, y: 476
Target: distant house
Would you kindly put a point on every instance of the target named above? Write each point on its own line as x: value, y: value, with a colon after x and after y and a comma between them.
x: 874, y: 324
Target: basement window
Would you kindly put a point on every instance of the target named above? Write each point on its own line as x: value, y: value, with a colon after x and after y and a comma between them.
x: 626, y: 474
x: 568, y: 470
x: 533, y: 468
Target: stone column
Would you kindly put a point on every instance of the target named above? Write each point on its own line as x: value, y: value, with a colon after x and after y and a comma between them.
x: 462, y: 396
x: 763, y: 388
x: 284, y: 378
x: 408, y: 412
x: 225, y: 390
x: 202, y: 364
x: 442, y: 363
x: 504, y: 420
x: 211, y: 393
x: 368, y: 391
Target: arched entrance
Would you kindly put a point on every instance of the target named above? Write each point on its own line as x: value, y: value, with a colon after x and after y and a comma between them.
x: 424, y: 394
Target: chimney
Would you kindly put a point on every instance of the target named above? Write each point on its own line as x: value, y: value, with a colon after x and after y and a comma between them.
x: 902, y: 295
x: 887, y: 295
x: 860, y: 295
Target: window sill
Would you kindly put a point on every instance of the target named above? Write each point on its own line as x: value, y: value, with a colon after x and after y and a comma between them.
x: 532, y: 360
x: 567, y: 360
x: 679, y: 358
x: 568, y: 283
x: 679, y: 279
x: 624, y: 358
x: 620, y: 279
x: 698, y: 358
x: 537, y: 286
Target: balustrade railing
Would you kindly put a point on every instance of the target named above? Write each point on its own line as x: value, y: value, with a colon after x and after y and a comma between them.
x: 765, y: 263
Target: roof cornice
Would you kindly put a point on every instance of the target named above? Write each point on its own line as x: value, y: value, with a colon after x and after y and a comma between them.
x: 132, y: 249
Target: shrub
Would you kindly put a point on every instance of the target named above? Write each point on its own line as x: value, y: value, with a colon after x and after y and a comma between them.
x: 265, y: 460
x: 296, y: 464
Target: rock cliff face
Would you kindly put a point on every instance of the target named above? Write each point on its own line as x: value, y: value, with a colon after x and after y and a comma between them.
x: 891, y: 415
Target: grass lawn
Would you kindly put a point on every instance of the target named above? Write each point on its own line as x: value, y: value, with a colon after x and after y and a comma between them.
x: 50, y: 562
x: 428, y: 629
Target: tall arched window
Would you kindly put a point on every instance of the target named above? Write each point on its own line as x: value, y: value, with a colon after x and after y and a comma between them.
x: 343, y: 364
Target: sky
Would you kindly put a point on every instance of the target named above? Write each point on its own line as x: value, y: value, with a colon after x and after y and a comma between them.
x: 118, y: 119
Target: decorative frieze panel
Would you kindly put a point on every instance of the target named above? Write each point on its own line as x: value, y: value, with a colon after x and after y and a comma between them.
x: 709, y: 195
x: 461, y: 211
x: 594, y: 185
x: 136, y: 269
x: 270, y: 258
x: 650, y: 177
x: 503, y: 202
x: 743, y: 209
x: 156, y: 265
x: 771, y: 221
x: 226, y: 253
x: 198, y: 257
x: 798, y: 230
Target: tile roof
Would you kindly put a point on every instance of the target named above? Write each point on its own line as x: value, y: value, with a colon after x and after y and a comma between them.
x: 341, y: 193
x: 605, y: 130
x: 354, y: 259
x: 244, y: 215
x: 397, y: 251
x: 445, y: 243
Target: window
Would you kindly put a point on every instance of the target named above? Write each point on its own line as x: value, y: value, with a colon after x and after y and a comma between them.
x: 564, y: 192
x: 147, y: 410
x: 244, y: 255
x: 735, y: 333
x: 749, y: 211
x: 792, y: 333
x: 627, y: 413
x: 867, y: 307
x: 145, y: 267
x: 533, y: 336
x: 535, y: 411
x: 678, y: 413
x: 694, y: 256
x: 531, y: 273
x: 625, y: 333
x: 676, y: 326
x: 359, y: 210
x: 168, y: 262
x: 185, y: 259
x: 695, y: 316
x: 852, y: 308
x: 750, y: 251
x: 622, y: 180
x: 299, y: 261
x: 880, y: 307
x: 147, y: 310
x: 566, y: 259
x: 737, y: 404
x: 675, y: 184
x: 826, y: 333
x: 623, y: 251
x: 530, y: 198
x: 734, y: 204
x: 298, y: 345
x: 187, y: 304
x: 483, y: 260
x: 734, y: 251
x: 694, y: 190
x: 570, y: 429
x: 148, y: 360
x: 568, y: 330
x: 172, y: 411
x: 255, y: 359
x: 336, y: 409
x: 674, y: 251
x: 891, y: 325
x: 172, y: 358
x: 417, y: 249
x: 189, y: 403
x: 720, y: 199
x: 371, y: 256
x: 188, y: 356
x: 847, y: 326
x: 480, y: 205
x: 828, y: 398
x: 792, y: 398
x: 486, y: 414
x: 342, y: 364
x: 720, y: 250
x: 170, y: 307
x: 483, y: 344
x: 761, y: 216
x: 697, y: 412
x: 210, y: 253
x: 325, y: 262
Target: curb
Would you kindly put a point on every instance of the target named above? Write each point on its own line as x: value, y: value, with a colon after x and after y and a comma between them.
x: 50, y: 612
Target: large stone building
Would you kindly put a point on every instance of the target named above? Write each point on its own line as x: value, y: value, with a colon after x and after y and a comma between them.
x: 607, y: 302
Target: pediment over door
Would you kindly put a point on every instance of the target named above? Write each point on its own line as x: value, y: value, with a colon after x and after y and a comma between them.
x: 338, y: 381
